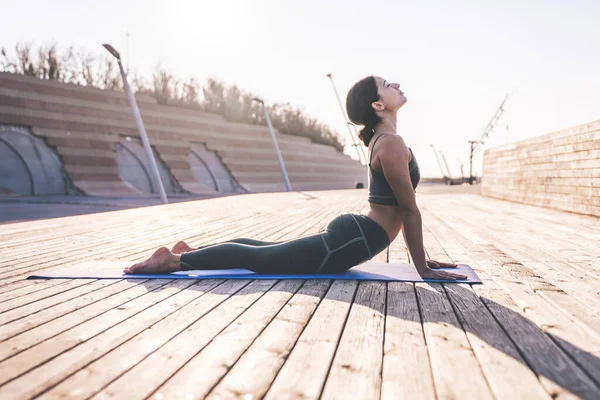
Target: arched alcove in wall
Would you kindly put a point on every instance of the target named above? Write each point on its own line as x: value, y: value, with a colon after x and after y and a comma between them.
x: 135, y: 169
x: 208, y: 169
x: 28, y: 166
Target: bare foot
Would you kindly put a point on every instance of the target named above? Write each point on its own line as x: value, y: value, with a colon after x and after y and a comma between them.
x: 181, y: 247
x: 161, y: 262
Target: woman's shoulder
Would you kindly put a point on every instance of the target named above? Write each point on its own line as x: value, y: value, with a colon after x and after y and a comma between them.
x: 390, y: 148
x: 394, y: 144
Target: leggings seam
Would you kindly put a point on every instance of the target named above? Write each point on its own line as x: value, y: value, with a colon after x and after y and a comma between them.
x: 185, y: 266
x: 323, y: 263
x: 349, y: 242
x: 363, y: 236
x: 330, y: 252
x: 325, y: 243
x: 326, y: 257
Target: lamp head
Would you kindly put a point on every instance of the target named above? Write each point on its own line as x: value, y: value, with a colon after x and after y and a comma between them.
x: 112, y: 51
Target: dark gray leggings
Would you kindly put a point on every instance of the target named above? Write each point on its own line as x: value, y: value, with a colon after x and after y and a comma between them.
x: 349, y: 240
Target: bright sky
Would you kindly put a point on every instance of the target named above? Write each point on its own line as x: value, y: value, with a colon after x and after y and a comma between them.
x: 455, y: 60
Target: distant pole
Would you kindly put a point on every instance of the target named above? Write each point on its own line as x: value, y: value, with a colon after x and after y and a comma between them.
x: 140, y: 125
x: 127, y: 50
x: 471, y: 177
x: 275, y: 145
x: 354, y: 143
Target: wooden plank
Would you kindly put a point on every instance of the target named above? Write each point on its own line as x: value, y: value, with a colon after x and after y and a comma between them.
x: 505, y: 370
x: 69, y: 254
x: 76, y: 226
x: 61, y: 317
x: 36, y: 85
x: 507, y: 373
x: 158, y: 236
x: 545, y: 328
x: 91, y: 340
x: 25, y: 287
x: 561, y: 377
x: 352, y: 376
x: 542, y: 283
x: 57, y: 133
x: 143, y: 218
x: 125, y: 246
x: 225, y: 350
x: 89, y: 380
x: 542, y: 247
x: 574, y: 309
x: 448, y: 346
x: 179, y: 350
x: 14, y: 302
x: 24, y: 361
x: 271, y: 348
x: 304, y: 372
x: 580, y: 230
x: 406, y: 366
x: 77, y: 121
x: 558, y: 373
x: 82, y: 236
x: 64, y: 293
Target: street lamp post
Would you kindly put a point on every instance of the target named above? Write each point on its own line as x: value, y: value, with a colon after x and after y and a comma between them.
x: 140, y: 125
x: 275, y: 145
x: 361, y: 151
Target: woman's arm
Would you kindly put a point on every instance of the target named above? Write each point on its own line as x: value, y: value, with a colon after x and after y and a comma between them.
x: 394, y: 157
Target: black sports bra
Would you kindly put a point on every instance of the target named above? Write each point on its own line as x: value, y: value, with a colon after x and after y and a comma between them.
x: 380, y: 191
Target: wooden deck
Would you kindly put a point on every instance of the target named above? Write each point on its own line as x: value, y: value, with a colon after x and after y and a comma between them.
x: 532, y: 330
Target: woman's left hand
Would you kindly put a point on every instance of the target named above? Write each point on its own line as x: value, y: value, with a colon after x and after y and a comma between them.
x: 438, y: 264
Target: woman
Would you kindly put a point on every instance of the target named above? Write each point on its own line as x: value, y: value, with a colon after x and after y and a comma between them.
x: 350, y: 239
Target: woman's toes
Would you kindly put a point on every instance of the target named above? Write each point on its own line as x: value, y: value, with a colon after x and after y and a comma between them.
x: 180, y: 247
x: 132, y: 268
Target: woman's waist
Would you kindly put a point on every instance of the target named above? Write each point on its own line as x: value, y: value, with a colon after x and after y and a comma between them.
x: 387, y: 217
x: 350, y: 226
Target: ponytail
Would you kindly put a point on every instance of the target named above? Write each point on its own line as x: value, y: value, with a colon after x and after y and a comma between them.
x: 359, y: 108
x: 366, y: 134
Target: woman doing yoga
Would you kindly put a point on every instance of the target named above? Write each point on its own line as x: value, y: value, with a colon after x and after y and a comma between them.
x: 350, y: 239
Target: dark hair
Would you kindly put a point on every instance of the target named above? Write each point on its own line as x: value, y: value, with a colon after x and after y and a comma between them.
x: 358, y: 107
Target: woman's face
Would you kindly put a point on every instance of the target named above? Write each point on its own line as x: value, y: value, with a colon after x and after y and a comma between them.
x: 390, y: 95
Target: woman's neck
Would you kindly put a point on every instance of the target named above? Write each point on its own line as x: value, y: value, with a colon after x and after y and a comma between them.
x: 387, y: 125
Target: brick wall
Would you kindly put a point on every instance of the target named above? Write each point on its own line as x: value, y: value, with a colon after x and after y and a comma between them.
x: 559, y: 170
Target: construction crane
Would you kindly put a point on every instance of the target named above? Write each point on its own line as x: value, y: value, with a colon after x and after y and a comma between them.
x: 437, y: 158
x: 486, y: 133
x: 447, y: 176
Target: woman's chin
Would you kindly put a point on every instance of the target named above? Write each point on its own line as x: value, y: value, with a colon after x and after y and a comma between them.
x: 402, y: 103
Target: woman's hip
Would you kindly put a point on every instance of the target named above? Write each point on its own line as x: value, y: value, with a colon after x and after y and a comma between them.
x: 351, y: 239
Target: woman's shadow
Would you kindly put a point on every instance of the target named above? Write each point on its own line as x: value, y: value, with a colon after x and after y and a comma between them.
x: 506, y: 330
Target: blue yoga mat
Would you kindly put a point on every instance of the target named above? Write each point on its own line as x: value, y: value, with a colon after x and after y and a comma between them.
x: 368, y: 271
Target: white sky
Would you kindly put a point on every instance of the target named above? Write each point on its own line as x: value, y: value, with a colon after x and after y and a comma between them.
x: 455, y: 60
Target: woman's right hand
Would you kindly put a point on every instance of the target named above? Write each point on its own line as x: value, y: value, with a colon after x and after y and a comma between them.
x: 433, y: 274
